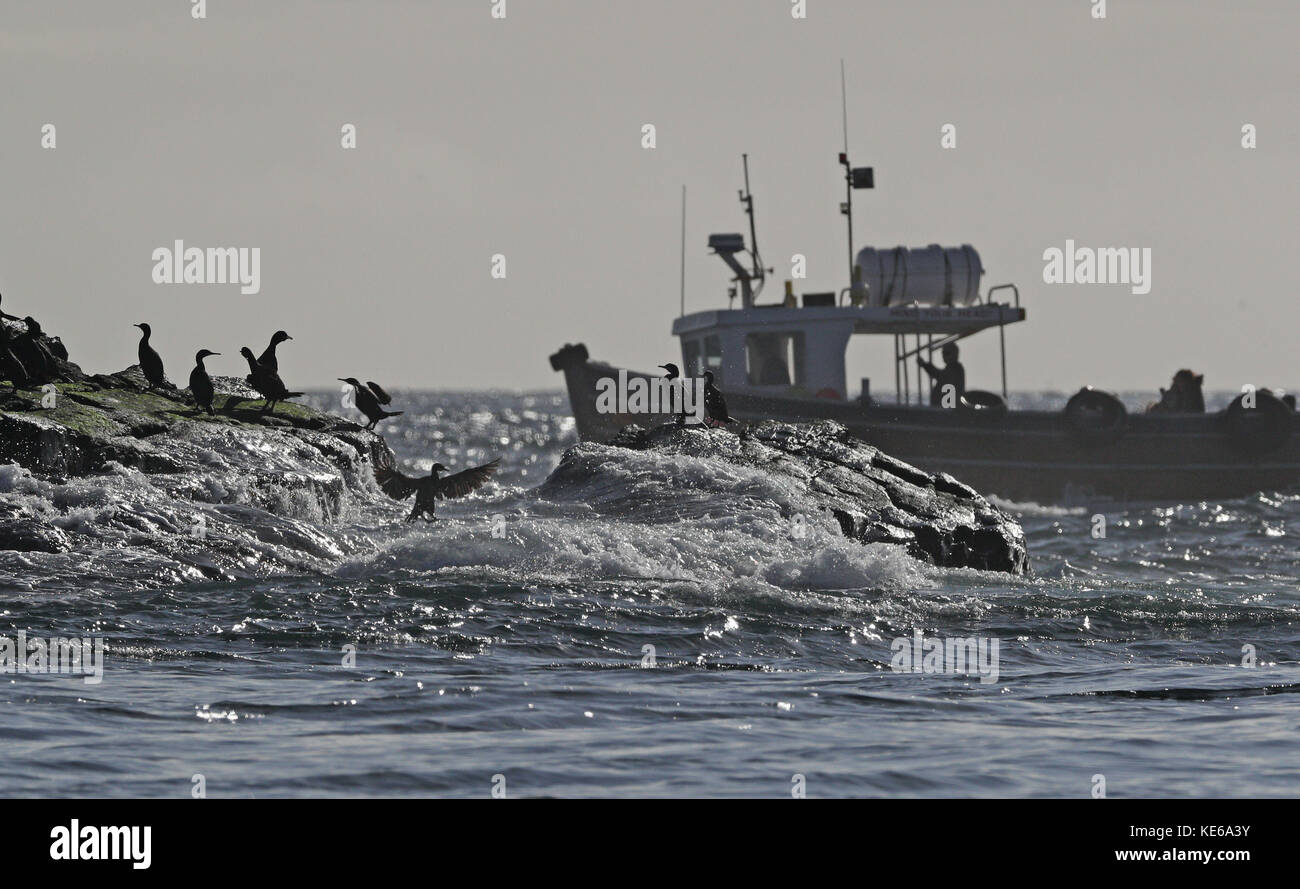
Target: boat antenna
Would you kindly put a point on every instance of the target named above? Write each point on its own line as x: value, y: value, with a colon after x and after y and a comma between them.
x: 844, y: 106
x: 747, y: 198
x: 862, y: 177
x: 844, y: 159
x: 683, y: 276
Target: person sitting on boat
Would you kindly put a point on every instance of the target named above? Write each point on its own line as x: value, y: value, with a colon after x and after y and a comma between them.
x: 1184, y: 395
x: 952, y: 374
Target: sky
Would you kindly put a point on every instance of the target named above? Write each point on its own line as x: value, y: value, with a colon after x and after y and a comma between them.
x: 522, y: 137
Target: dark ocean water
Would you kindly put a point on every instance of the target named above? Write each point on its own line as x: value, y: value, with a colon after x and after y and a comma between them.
x: 509, y: 643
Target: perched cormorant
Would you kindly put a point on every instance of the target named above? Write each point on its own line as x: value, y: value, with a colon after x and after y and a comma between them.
x: 673, y: 374
x: 427, y: 490
x: 368, y: 400
x: 200, y: 382
x: 36, y: 358
x: 52, y: 344
x: 715, y: 406
x: 266, y: 382
x: 11, y: 368
x: 268, y: 359
x: 151, y: 364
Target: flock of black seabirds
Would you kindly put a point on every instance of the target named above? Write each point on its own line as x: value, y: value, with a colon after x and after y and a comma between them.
x: 32, y: 359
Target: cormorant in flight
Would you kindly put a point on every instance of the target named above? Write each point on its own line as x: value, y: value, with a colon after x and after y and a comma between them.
x: 268, y: 359
x: 427, y: 490
x: 715, y: 406
x: 200, y: 382
x: 265, y: 382
x: 151, y: 364
x: 369, y: 399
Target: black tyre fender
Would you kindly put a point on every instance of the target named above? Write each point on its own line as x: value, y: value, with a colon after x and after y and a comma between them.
x: 986, y: 404
x: 1095, y: 417
x: 1261, y: 429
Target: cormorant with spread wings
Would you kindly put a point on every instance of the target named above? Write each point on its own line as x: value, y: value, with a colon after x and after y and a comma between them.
x: 427, y: 490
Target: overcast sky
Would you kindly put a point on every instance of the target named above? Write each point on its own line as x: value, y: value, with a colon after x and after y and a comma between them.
x: 523, y: 136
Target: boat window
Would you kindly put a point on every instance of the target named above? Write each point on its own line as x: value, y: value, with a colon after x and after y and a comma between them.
x: 692, y: 360
x: 774, y: 359
x: 713, y: 357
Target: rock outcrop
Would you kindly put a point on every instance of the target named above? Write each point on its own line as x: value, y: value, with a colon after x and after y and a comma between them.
x: 201, y: 470
x: 874, y: 497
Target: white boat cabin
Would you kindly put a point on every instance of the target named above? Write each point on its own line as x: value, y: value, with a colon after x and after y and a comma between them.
x: 798, y: 351
x: 928, y: 293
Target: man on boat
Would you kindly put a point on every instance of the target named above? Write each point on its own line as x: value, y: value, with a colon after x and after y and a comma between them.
x: 952, y: 374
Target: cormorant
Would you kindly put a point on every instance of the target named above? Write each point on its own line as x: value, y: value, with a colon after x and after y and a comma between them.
x: 266, y: 382
x: 36, y: 358
x: 674, y: 373
x: 715, y: 406
x: 268, y: 359
x: 384, y: 397
x: 11, y: 368
x: 151, y: 364
x: 52, y: 344
x: 368, y: 400
x: 427, y: 490
x: 201, y: 383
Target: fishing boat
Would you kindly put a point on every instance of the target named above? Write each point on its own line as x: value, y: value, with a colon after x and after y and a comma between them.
x: 786, y: 361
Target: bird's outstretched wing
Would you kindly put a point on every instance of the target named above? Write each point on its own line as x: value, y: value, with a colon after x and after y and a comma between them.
x: 394, y: 483
x: 468, y: 480
x: 384, y: 397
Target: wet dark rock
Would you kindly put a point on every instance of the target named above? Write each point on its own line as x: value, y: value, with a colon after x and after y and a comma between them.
x: 108, y: 424
x: 27, y: 535
x: 874, y: 497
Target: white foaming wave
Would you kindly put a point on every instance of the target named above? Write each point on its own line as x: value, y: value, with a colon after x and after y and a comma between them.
x: 15, y: 479
x: 744, y: 541
x: 1030, y: 508
x: 124, y: 526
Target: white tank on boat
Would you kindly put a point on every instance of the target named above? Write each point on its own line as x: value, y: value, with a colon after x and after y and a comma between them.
x: 927, y: 276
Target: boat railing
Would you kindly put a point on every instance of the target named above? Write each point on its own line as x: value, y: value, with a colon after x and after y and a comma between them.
x: 988, y: 297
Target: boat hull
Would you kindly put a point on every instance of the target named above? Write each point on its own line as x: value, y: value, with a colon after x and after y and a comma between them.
x: 1018, y: 455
